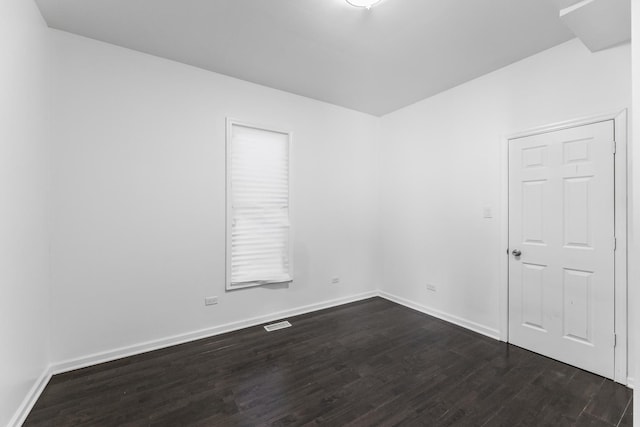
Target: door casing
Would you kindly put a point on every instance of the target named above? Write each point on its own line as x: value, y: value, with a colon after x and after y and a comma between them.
x: 620, y: 255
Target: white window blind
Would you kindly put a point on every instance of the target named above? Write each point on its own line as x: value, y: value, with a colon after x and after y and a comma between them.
x: 258, y: 237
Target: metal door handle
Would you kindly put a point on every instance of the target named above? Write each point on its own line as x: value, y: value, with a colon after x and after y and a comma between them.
x: 516, y: 253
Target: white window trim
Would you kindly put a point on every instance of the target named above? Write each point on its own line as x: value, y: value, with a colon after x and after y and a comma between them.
x: 229, y: 211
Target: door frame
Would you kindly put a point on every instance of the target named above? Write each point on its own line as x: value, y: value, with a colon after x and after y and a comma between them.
x: 620, y: 255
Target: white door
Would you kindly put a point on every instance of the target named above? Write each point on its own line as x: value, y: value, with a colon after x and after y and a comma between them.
x: 561, y: 245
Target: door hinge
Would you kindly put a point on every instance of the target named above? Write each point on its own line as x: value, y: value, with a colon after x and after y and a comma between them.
x: 615, y: 243
x: 615, y: 339
x: 614, y: 147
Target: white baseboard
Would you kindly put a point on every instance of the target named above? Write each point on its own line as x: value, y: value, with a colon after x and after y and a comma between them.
x: 107, y: 356
x: 468, y: 324
x: 119, y: 353
x: 31, y: 398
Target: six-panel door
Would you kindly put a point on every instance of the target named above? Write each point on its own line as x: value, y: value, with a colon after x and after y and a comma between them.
x: 561, y: 219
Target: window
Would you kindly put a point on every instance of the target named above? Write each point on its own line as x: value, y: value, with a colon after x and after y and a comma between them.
x: 258, y: 226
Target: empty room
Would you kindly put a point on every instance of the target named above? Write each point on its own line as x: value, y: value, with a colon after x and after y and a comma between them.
x: 319, y: 212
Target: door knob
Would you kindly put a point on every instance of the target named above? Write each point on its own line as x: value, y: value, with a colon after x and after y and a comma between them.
x: 516, y: 253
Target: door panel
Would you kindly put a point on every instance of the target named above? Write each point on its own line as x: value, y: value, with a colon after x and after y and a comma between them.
x: 532, y: 295
x: 577, y: 300
x: 561, y: 218
x: 532, y: 211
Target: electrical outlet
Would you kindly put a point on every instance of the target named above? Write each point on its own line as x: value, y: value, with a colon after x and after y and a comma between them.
x: 335, y: 280
x: 210, y: 300
x: 431, y: 287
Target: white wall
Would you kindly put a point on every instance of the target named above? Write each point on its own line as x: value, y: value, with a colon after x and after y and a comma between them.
x: 138, y: 214
x: 442, y: 165
x: 137, y: 192
x: 139, y: 198
x: 634, y: 182
x: 24, y: 284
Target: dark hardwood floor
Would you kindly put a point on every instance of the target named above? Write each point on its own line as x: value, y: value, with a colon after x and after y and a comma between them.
x: 364, y: 364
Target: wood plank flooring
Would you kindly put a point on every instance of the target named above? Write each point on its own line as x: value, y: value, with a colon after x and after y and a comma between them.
x: 371, y: 363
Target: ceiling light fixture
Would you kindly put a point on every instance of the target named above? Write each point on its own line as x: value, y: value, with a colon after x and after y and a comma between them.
x: 363, y: 3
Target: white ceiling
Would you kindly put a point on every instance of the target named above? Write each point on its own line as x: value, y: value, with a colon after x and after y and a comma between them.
x: 600, y: 24
x: 375, y: 61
